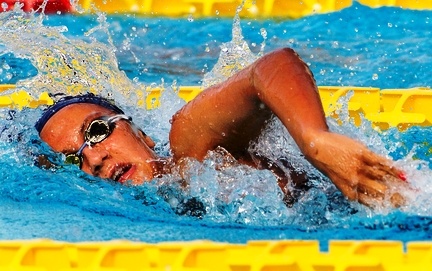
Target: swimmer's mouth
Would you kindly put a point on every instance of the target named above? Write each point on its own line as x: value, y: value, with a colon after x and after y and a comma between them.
x: 122, y: 173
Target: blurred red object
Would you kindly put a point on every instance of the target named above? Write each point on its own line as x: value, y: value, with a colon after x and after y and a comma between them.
x: 52, y: 6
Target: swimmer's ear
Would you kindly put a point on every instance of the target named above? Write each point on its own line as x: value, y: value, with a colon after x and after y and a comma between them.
x: 147, y: 140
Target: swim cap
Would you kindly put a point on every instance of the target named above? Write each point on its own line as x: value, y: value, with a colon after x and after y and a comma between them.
x: 88, y: 98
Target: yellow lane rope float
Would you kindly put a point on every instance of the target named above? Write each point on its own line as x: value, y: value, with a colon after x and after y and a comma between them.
x: 384, y: 108
x: 205, y: 8
x: 41, y: 255
x: 409, y: 4
x: 198, y: 8
x: 251, y: 8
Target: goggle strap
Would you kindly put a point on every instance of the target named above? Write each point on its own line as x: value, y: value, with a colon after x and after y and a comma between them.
x: 81, y: 149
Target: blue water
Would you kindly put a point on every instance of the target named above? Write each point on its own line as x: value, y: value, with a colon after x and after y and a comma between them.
x: 360, y: 46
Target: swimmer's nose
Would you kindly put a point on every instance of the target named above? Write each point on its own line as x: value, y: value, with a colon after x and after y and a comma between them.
x: 94, y: 159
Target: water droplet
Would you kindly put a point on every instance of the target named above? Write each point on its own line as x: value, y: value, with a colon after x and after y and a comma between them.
x: 190, y: 18
x: 4, y: 6
x: 375, y: 76
x: 263, y: 33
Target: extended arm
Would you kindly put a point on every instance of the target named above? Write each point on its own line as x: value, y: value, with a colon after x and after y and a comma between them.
x: 234, y: 112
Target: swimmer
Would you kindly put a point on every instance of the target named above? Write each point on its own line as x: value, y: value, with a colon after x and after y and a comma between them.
x: 98, y: 137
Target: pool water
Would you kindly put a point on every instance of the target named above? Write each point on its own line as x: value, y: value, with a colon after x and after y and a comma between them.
x: 120, y: 55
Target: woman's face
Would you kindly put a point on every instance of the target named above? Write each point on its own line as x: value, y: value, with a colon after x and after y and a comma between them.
x: 126, y: 154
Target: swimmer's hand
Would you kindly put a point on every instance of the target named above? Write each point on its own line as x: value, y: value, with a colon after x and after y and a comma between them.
x: 360, y: 174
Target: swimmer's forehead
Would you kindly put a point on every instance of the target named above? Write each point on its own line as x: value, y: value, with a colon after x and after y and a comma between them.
x: 76, y: 116
x: 83, y: 110
x: 86, y: 109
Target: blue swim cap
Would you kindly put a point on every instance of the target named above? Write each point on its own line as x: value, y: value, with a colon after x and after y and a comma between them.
x: 88, y: 98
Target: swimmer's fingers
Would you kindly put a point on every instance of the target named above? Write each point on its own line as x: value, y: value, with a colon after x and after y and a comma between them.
x: 367, y: 192
x: 396, y: 200
x: 372, y: 188
x: 349, y: 191
x: 382, y: 174
x: 361, y: 187
x: 384, y: 180
x: 380, y: 167
x: 371, y: 192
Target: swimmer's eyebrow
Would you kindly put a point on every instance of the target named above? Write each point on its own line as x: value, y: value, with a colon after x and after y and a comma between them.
x: 85, y: 124
x: 87, y: 121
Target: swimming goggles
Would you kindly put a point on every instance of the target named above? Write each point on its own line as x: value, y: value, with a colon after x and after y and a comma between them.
x: 97, y: 131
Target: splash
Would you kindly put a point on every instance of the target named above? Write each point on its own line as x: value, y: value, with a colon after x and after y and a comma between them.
x: 235, y: 55
x: 233, y: 194
x: 65, y: 66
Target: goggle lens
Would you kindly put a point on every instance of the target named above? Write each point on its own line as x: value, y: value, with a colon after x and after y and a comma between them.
x: 97, y: 131
x: 73, y: 159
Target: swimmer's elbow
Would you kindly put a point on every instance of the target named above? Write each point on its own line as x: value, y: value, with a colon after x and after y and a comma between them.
x: 282, y: 55
x: 279, y: 69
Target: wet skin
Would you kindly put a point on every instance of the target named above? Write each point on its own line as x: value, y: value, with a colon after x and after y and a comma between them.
x: 230, y: 115
x: 125, y: 154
